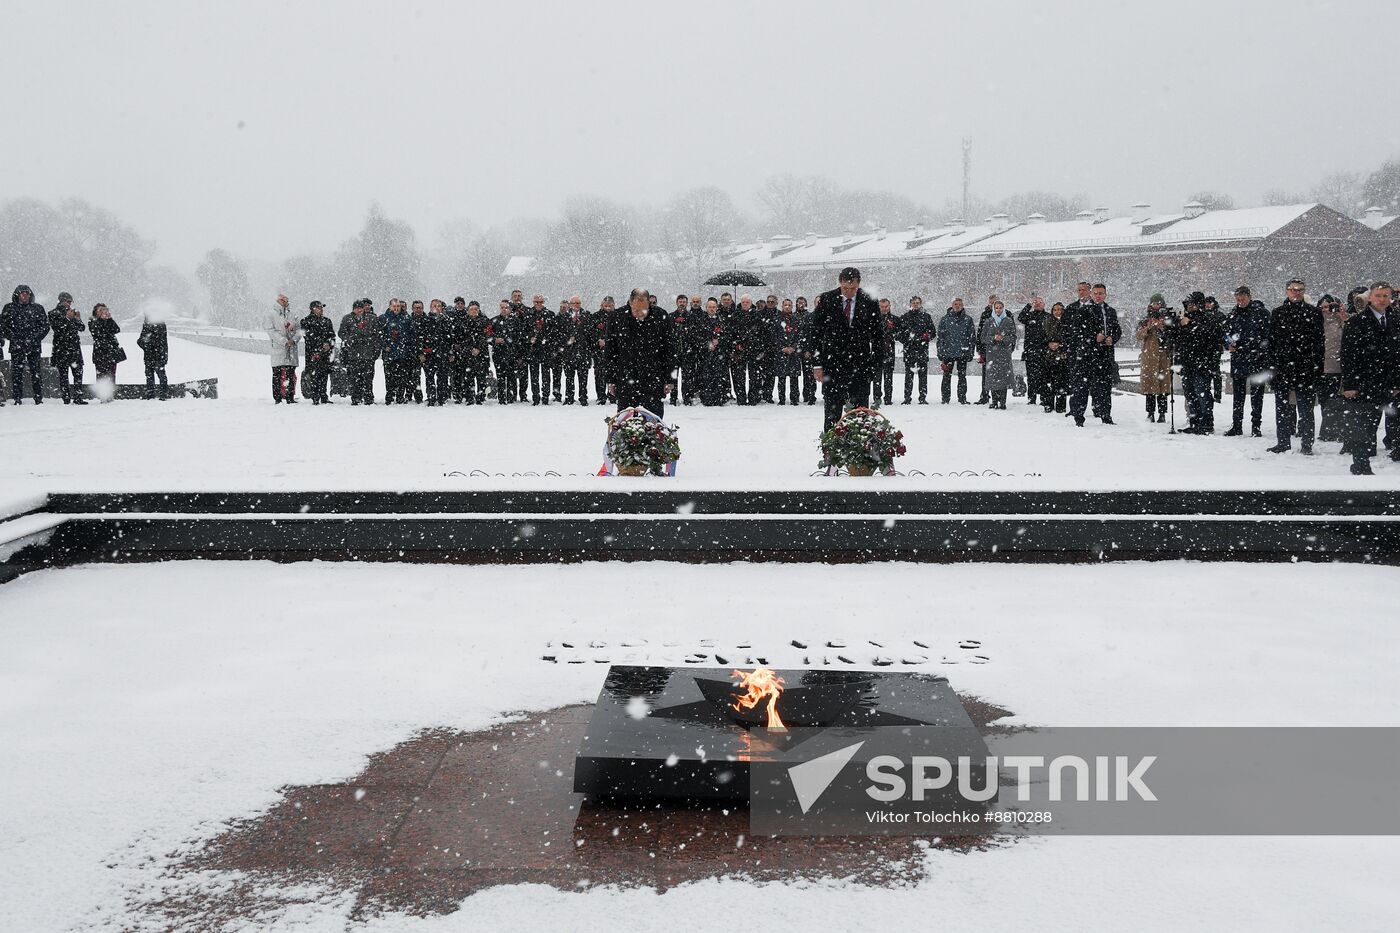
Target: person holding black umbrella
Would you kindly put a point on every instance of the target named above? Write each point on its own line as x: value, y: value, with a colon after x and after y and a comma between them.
x: 847, y: 342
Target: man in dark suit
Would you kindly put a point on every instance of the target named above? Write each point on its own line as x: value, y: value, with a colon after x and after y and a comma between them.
x: 640, y: 356
x: 1090, y: 333
x: 847, y: 344
x: 1370, y: 374
x: 1296, y: 350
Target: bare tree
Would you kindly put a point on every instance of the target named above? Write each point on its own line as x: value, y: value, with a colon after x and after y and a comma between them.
x: 697, y: 226
x: 1344, y: 192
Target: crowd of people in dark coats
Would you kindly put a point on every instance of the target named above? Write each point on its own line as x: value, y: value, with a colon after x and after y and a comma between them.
x: 24, y: 324
x: 1341, y: 356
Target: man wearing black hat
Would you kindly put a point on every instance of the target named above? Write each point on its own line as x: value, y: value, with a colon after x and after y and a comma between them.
x: 67, y: 353
x: 25, y: 325
x: 847, y: 342
x: 319, y: 336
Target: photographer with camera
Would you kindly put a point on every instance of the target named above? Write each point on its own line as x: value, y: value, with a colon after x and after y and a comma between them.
x: 1197, y: 340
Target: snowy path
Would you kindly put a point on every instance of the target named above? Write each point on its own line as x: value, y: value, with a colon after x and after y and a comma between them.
x: 142, y: 705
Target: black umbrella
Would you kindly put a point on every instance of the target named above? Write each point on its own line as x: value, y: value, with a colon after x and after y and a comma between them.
x: 736, y: 278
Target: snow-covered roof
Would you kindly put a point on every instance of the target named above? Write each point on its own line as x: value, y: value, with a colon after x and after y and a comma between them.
x: 519, y: 265
x: 1248, y: 223
x: 1377, y: 221
x: 1080, y: 233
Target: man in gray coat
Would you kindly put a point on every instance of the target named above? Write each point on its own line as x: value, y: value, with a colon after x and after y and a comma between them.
x: 957, y: 338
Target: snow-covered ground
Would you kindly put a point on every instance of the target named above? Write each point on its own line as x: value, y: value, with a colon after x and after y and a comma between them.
x: 242, y: 441
x: 142, y: 705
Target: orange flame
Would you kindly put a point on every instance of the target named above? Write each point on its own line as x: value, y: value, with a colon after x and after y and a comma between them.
x: 762, y: 684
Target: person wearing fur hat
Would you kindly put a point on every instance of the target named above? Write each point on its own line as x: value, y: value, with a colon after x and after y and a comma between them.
x: 1155, y: 357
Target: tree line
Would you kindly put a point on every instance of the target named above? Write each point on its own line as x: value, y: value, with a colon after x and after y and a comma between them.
x: 595, y: 243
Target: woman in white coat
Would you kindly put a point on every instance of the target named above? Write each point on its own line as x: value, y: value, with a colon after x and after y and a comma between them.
x: 284, y: 332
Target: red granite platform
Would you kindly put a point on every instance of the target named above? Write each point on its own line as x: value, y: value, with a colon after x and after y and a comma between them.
x: 449, y: 813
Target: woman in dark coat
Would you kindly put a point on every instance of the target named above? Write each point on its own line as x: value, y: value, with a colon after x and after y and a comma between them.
x: 155, y: 346
x: 1057, y: 359
x: 106, y: 351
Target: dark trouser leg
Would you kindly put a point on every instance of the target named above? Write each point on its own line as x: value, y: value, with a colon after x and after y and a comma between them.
x: 1035, y: 379
x: 1101, y: 386
x: 809, y: 383
x: 754, y: 375
x: 983, y: 398
x: 600, y: 379
x: 1331, y: 427
x: 36, y: 379
x: 444, y: 382
x: 17, y: 364
x: 961, y: 367
x: 1285, y: 413
x: 888, y: 381
x: 533, y: 371
x: 1239, y: 388
x: 1079, y: 379
x: 276, y: 383
x: 65, y: 389
x: 1307, y: 429
x: 1361, y: 419
x: 1200, y: 400
x: 833, y: 403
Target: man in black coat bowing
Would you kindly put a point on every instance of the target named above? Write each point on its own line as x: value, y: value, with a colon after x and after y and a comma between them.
x: 847, y: 345
x: 640, y: 356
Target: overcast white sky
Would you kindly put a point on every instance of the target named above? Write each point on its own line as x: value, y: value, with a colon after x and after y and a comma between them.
x: 267, y: 128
